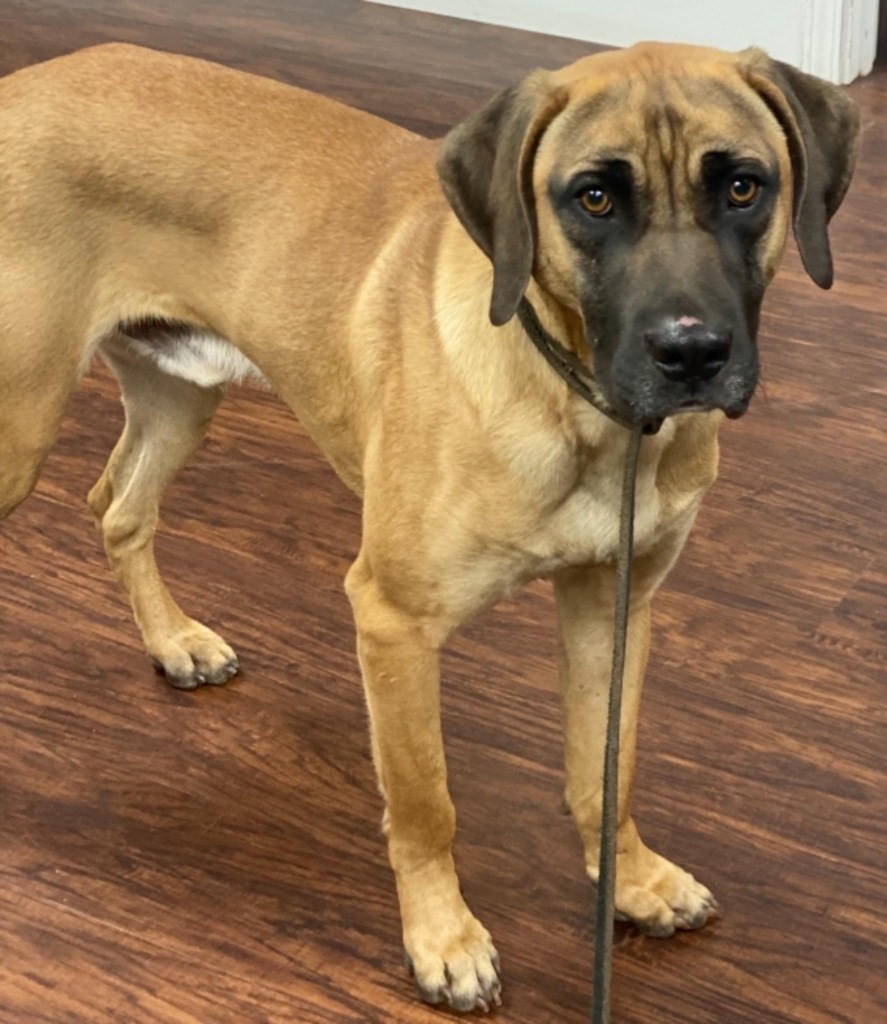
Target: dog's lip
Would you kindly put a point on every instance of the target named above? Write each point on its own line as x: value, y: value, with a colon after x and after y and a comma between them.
x: 732, y: 410
x: 733, y: 405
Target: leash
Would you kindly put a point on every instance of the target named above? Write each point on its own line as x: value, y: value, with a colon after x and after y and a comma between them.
x: 606, y: 892
x: 577, y: 376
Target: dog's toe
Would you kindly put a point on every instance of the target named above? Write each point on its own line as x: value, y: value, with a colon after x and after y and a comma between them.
x: 178, y: 673
x: 222, y: 673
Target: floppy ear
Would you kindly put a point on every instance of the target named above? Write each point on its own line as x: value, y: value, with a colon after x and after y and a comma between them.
x: 485, y: 166
x: 822, y: 128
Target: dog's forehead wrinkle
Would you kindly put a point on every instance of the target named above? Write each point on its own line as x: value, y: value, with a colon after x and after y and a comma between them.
x: 665, y: 145
x: 673, y: 119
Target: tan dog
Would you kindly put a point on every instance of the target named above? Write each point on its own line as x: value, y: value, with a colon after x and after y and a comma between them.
x: 194, y: 224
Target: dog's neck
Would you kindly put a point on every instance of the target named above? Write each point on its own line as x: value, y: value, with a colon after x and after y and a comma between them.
x: 499, y: 367
x: 575, y: 372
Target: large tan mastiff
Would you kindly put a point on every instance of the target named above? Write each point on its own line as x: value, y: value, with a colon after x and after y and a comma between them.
x: 193, y: 225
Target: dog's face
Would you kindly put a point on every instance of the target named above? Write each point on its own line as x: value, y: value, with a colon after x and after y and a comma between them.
x: 649, y: 191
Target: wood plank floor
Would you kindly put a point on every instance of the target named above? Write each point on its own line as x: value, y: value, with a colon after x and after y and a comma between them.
x: 215, y: 858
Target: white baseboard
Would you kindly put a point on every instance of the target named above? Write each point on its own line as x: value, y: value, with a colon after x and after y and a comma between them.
x: 835, y: 39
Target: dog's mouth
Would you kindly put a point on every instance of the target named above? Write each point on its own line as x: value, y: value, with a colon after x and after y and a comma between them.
x: 647, y: 407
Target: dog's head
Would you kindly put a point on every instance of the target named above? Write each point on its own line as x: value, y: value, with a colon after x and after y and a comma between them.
x: 650, y: 191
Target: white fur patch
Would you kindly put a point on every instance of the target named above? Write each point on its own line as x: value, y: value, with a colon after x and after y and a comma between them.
x: 203, y: 359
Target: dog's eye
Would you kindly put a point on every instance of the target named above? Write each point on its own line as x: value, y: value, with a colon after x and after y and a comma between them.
x: 743, y: 191
x: 596, y: 202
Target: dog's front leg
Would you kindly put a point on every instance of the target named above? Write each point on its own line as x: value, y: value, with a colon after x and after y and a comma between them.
x: 655, y: 894
x: 450, y: 952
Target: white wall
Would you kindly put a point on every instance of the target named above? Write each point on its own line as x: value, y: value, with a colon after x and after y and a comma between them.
x: 832, y: 38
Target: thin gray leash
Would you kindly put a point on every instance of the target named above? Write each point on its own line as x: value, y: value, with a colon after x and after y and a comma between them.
x: 577, y: 376
x: 606, y: 892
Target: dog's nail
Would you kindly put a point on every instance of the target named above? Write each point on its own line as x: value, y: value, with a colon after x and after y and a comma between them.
x: 183, y: 682
x: 432, y: 995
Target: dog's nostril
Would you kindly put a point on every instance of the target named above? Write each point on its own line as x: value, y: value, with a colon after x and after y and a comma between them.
x: 716, y: 358
x: 663, y: 350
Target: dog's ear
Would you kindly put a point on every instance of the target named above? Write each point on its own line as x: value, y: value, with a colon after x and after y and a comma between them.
x: 485, y: 166
x: 821, y: 125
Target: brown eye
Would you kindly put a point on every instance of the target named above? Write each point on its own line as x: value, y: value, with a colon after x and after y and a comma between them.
x: 743, y: 191
x: 596, y: 202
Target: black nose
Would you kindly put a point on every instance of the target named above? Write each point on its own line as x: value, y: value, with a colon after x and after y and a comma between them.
x: 689, y: 352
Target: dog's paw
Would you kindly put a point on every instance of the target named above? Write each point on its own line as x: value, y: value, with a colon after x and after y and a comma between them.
x: 193, y: 656
x: 676, y: 901
x: 660, y: 898
x: 458, y: 966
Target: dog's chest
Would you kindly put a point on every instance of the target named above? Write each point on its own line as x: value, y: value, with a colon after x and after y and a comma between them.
x: 582, y: 527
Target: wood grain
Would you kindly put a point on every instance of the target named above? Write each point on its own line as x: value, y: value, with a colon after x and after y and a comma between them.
x: 215, y: 857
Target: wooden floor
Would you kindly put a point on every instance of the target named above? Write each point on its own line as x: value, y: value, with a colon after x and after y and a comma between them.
x: 215, y: 857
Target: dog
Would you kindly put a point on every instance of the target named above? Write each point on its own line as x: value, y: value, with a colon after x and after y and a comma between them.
x: 193, y: 225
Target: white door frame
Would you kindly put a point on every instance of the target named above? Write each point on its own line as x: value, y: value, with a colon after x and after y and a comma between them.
x: 840, y: 39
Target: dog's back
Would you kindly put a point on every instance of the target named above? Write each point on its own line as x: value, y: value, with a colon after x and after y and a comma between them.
x: 138, y: 186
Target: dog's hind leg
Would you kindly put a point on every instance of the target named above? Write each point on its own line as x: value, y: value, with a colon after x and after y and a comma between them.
x: 37, y: 376
x: 27, y: 432
x: 166, y: 419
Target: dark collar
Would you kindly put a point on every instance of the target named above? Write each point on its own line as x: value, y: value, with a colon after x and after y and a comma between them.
x: 570, y: 367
